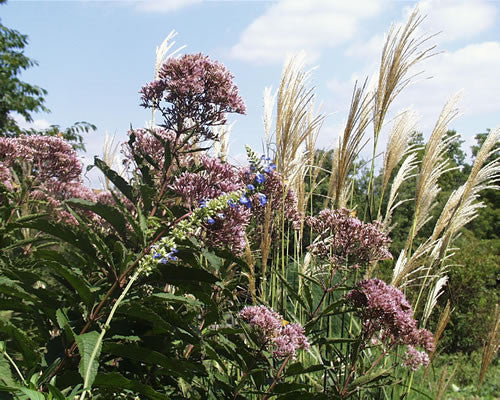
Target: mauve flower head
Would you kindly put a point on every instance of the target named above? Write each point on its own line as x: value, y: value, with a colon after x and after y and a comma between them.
x: 344, y: 238
x: 289, y: 339
x: 196, y: 89
x: 215, y: 179
x: 263, y: 318
x: 50, y: 158
x: 384, y: 308
x: 414, y: 359
x: 282, y: 340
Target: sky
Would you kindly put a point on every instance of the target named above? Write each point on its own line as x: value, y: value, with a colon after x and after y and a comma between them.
x: 94, y: 56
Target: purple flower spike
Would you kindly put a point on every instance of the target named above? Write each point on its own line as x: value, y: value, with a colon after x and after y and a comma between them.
x: 262, y: 199
x: 157, y: 256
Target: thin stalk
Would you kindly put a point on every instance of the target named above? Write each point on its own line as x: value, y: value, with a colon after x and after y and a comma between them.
x: 277, y: 377
x: 6, y: 355
x: 133, y: 278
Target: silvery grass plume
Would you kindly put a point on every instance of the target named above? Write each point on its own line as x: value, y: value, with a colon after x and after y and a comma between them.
x: 401, y: 51
x: 350, y: 144
x: 408, y: 268
x: 432, y: 298
x: 398, y: 146
x: 462, y: 205
x: 293, y: 124
x: 409, y: 165
x: 221, y: 146
x: 110, y: 156
x: 267, y: 118
x: 306, y: 165
x: 434, y: 164
x: 163, y: 53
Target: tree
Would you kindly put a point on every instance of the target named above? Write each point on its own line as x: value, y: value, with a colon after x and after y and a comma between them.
x: 17, y: 96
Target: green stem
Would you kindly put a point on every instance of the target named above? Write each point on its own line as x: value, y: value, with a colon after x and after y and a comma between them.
x: 4, y: 353
x: 133, y: 278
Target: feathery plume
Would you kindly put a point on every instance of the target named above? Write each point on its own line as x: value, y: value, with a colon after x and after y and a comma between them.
x: 350, y: 144
x: 434, y: 164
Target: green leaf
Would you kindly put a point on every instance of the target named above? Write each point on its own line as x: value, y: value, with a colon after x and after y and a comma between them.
x: 115, y: 380
x: 107, y: 212
x: 24, y: 343
x: 178, y: 299
x: 117, y: 180
x: 63, y: 322
x: 76, y: 281
x: 32, y: 394
x: 173, y: 367
x: 86, y: 344
x: 5, y: 371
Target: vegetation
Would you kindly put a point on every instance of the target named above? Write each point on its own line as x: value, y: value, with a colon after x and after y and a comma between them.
x: 193, y: 278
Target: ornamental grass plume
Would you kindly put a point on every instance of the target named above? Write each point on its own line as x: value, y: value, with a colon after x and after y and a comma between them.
x: 343, y: 239
x: 198, y: 92
x: 282, y: 340
x: 384, y: 309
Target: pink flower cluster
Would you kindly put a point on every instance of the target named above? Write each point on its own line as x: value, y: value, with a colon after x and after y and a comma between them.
x: 414, y: 358
x: 197, y: 89
x: 49, y: 158
x: 51, y: 168
x: 384, y: 308
x: 283, y: 340
x: 343, y: 239
x: 226, y: 229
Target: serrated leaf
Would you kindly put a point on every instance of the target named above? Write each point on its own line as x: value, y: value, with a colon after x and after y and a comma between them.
x: 5, y: 371
x: 86, y: 344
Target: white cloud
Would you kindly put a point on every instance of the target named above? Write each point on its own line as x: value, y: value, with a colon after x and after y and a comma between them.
x: 37, y: 124
x: 457, y: 19
x: 293, y: 25
x: 473, y: 68
x: 165, y: 5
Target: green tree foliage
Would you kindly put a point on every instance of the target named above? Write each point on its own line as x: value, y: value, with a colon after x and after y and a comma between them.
x: 17, y: 96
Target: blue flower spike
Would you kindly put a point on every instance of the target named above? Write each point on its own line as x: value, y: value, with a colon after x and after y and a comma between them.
x: 210, y: 221
x: 262, y: 199
x: 251, y: 187
x: 260, y: 178
x: 245, y: 201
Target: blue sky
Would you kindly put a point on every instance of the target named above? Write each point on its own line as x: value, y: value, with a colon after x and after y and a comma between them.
x: 95, y: 55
